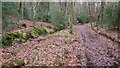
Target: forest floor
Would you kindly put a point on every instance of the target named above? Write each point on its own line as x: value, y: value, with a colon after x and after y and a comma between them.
x: 110, y: 32
x: 83, y: 47
x: 99, y: 50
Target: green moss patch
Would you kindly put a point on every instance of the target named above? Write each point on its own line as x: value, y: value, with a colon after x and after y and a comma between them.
x: 37, y: 31
x: 58, y: 63
x: 8, y: 39
x: 13, y: 64
x: 23, y: 36
x: 43, y: 66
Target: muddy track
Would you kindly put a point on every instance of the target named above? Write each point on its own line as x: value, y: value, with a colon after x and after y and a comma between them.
x: 98, y: 50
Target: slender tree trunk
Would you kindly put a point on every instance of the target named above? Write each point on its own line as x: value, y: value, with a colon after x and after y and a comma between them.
x: 119, y: 19
x: 102, y: 13
x: 71, y: 16
x: 35, y: 8
x: 18, y: 16
x: 98, y: 11
x: 34, y: 11
x: 22, y: 10
x: 119, y: 15
x: 98, y: 17
x: 66, y: 9
x: 47, y: 11
x: 20, y: 5
x: 90, y: 15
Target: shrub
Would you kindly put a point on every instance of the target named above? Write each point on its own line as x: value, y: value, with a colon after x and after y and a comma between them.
x: 82, y: 17
x: 8, y: 39
x: 9, y: 16
x: 9, y: 25
x: 111, y: 15
x: 43, y: 16
x: 58, y: 18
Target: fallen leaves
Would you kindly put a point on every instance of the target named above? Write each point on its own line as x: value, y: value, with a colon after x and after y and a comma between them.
x: 63, y: 48
x: 45, y: 50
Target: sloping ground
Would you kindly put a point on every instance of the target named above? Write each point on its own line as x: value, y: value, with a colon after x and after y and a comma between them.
x: 32, y: 30
x: 36, y: 23
x: 113, y: 33
x: 99, y: 51
x: 26, y: 24
x: 58, y: 49
x: 84, y: 48
x: 110, y: 32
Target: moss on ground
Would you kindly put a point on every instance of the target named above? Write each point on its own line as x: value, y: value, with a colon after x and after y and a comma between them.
x: 33, y: 32
x: 13, y: 64
x: 58, y: 63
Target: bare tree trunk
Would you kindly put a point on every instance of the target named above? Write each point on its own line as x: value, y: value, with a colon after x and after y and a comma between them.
x: 102, y: 13
x: 71, y: 16
x: 93, y: 13
x: 119, y: 15
x: 67, y: 7
x: 22, y: 10
x: 35, y: 8
x: 34, y: 11
x: 98, y: 12
x: 48, y: 4
x: 119, y: 19
x: 90, y: 15
x: 20, y: 5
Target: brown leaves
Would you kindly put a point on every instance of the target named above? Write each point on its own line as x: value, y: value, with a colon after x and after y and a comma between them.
x: 63, y: 48
x: 45, y: 50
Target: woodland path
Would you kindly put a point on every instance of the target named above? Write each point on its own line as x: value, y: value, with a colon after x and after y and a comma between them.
x: 82, y: 48
x: 98, y: 50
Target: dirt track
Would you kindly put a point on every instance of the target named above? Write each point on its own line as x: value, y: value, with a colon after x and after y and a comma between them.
x: 84, y: 48
x: 98, y: 50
